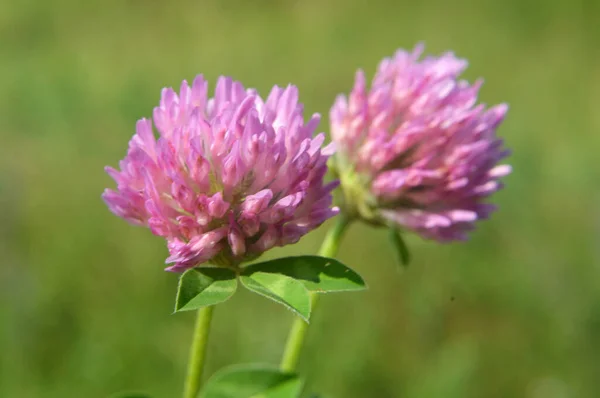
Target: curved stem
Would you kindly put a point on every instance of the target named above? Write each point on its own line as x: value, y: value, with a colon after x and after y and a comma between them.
x: 197, y: 353
x: 297, y: 334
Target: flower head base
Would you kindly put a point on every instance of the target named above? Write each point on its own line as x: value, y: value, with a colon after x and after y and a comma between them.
x: 228, y: 178
x: 415, y: 150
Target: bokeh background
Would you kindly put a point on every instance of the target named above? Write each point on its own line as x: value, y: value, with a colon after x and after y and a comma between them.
x: 85, y: 308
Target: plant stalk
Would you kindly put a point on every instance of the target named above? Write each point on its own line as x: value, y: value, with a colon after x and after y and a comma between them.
x: 193, y: 380
x: 297, y: 335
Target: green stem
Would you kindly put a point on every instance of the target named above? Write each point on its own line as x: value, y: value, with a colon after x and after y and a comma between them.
x: 197, y: 353
x: 297, y: 335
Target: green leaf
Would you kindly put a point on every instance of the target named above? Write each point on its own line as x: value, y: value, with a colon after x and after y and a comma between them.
x: 289, y: 389
x: 280, y: 288
x: 203, y: 286
x: 252, y: 381
x: 317, y: 274
x: 401, y: 248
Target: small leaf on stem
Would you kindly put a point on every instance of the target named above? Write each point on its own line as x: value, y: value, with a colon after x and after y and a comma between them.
x: 317, y: 274
x: 203, y: 286
x: 252, y: 381
x: 280, y: 288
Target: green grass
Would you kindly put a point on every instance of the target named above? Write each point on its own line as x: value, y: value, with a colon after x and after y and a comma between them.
x: 85, y: 308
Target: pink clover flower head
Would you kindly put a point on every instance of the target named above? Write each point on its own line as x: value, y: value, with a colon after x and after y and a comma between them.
x: 228, y: 177
x: 415, y: 149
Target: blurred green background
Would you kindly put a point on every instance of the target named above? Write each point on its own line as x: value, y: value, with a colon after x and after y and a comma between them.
x: 85, y: 308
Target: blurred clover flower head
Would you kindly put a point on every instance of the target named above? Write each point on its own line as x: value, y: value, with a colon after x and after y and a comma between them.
x: 228, y: 178
x: 415, y: 150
